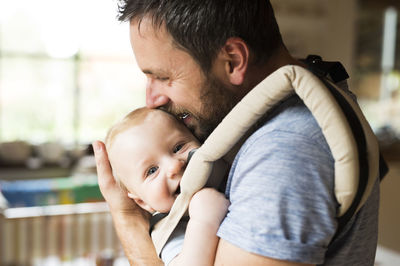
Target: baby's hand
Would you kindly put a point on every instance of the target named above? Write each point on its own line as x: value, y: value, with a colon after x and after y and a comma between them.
x: 208, y: 206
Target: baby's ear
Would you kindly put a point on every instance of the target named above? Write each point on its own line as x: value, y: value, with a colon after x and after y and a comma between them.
x: 141, y: 203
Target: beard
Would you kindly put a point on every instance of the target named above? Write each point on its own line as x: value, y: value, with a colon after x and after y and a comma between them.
x: 217, y: 101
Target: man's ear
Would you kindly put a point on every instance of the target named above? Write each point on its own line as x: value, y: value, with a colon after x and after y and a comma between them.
x: 141, y: 203
x: 236, y: 54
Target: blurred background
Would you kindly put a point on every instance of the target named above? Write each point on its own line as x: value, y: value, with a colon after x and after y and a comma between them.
x: 67, y: 73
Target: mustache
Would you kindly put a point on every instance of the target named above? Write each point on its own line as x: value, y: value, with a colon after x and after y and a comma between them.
x: 176, y: 111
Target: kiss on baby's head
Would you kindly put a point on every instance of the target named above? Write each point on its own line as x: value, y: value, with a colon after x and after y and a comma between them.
x: 148, y: 151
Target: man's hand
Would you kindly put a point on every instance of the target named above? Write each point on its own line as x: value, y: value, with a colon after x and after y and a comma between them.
x: 120, y: 204
x: 130, y: 221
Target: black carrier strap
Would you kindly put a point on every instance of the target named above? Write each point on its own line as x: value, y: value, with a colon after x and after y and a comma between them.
x: 383, y: 167
x: 324, y: 69
x: 337, y: 73
x: 155, y: 218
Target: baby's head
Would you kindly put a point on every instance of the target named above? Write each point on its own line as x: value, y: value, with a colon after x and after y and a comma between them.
x: 148, y: 152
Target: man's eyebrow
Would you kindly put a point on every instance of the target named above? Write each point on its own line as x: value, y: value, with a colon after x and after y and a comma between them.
x: 158, y: 72
x: 146, y: 71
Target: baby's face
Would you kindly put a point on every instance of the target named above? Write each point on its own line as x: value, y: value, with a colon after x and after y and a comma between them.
x: 150, y: 159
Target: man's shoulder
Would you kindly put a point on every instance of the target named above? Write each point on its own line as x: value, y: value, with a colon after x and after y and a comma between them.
x: 290, y: 143
x: 269, y: 188
x: 290, y: 121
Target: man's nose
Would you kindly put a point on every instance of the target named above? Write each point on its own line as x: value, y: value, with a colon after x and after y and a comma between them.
x: 154, y: 96
x: 175, y: 168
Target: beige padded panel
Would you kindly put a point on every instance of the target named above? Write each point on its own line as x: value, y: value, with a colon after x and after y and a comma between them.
x: 252, y: 107
x: 372, y: 150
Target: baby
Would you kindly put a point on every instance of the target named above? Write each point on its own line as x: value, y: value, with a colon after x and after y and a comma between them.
x: 148, y: 153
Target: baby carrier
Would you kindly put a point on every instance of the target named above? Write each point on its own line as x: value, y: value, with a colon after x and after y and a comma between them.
x: 351, y: 140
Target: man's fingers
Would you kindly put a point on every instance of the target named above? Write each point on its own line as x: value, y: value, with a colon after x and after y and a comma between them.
x: 122, y: 207
x: 112, y: 193
x: 104, y: 172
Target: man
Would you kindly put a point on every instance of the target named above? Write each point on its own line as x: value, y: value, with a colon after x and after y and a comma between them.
x: 200, y: 59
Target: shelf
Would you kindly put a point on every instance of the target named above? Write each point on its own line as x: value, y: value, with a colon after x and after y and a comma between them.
x: 52, y: 210
x: 14, y: 173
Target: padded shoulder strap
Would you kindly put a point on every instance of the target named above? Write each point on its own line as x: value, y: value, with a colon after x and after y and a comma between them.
x: 327, y: 112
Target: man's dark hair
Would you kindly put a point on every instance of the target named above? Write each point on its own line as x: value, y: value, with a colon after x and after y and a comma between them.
x: 201, y: 28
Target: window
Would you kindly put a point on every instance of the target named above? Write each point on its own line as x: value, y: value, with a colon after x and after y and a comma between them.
x: 378, y: 64
x: 67, y: 71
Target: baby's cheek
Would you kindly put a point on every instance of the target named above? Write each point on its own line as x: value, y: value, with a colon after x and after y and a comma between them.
x: 164, y: 206
x: 163, y: 201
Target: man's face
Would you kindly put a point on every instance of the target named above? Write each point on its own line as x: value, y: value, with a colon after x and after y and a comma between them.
x: 176, y: 83
x: 150, y: 159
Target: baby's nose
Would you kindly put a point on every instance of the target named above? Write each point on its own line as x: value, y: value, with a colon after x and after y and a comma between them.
x: 176, y: 168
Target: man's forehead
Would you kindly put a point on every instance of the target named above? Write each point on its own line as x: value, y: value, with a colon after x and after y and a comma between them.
x: 145, y: 27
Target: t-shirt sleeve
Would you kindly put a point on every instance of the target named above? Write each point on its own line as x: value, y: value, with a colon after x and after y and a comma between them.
x: 282, y: 198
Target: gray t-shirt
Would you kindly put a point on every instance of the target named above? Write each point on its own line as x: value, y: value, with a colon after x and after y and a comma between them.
x: 281, y: 189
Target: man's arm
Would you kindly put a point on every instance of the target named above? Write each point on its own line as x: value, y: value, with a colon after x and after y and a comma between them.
x: 228, y: 254
x: 130, y: 221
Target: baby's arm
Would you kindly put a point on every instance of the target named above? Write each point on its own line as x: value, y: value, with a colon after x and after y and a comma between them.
x: 207, y: 209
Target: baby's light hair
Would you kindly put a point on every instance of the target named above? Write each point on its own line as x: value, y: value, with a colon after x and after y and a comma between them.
x: 132, y: 119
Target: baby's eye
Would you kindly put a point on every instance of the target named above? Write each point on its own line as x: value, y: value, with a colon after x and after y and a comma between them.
x: 152, y: 170
x: 178, y: 148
